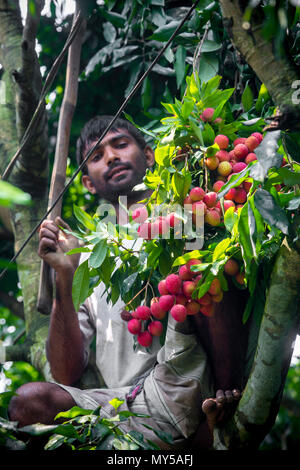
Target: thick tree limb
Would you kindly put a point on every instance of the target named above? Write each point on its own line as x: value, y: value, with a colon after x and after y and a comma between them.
x: 278, y: 75
x: 261, y: 398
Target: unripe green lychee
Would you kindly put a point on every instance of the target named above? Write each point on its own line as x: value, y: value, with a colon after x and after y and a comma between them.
x: 224, y: 169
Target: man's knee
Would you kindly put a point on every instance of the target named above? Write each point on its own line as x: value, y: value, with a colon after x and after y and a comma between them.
x: 38, y: 402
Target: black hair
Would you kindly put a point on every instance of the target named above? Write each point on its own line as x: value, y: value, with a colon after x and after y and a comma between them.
x: 95, y: 127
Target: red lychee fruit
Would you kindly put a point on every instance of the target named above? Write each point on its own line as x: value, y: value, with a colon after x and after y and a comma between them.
x: 205, y: 299
x: 145, y: 338
x: 178, y: 312
x: 156, y: 311
x: 172, y: 220
x: 230, y: 195
x: 184, y: 273
x: 140, y: 215
x: 144, y: 230
x: 159, y: 227
x: 134, y: 326
x: 192, y: 307
x: 212, y: 217
x: 240, y: 196
x: 224, y: 169
x: 247, y: 185
x: 143, y: 312
x: 240, y: 152
x: 258, y: 136
x: 238, y: 167
x: 197, y: 194
x: 181, y: 299
x: 223, y: 156
x: 222, y: 141
x: 187, y: 201
x: 215, y: 287
x: 188, y: 288
x: 210, y: 199
x: 155, y: 328
x: 166, y: 302
x: 162, y: 288
x: 252, y: 142
x: 239, y: 140
x: 218, y: 185
x: 251, y: 157
x: 207, y: 114
x: 208, y: 310
x: 231, y: 267
x: 228, y: 204
x: 212, y: 163
x: 199, y: 208
x: 193, y: 262
x: 173, y: 283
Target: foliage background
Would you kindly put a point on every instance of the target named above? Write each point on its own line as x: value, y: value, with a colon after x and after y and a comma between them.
x: 122, y: 39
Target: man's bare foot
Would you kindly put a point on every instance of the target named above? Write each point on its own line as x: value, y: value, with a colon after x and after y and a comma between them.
x: 219, y: 409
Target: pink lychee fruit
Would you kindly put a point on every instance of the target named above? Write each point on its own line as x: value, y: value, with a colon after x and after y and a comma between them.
x: 172, y: 220
x: 193, y: 262
x: 239, y: 140
x: 143, y: 312
x: 205, y: 299
x: 258, y: 136
x: 238, y: 167
x: 144, y: 338
x: 156, y: 310
x: 241, y: 151
x: 231, y: 267
x: 181, y: 299
x: 252, y: 142
x: 223, y: 156
x: 240, y: 196
x: 207, y: 114
x: 251, y: 157
x: 230, y: 195
x: 134, y: 326
x: 188, y: 288
x: 162, y: 288
x: 212, y: 217
x: 215, y: 287
x: 222, y: 141
x: 140, y: 214
x: 173, y: 283
x: 166, y: 302
x: 178, y: 312
x: 228, y: 204
x: 144, y: 230
x: 155, y: 328
x: 197, y: 194
x: 218, y: 185
x: 208, y: 310
x: 184, y: 273
x: 210, y: 199
x: 192, y: 307
x: 212, y: 163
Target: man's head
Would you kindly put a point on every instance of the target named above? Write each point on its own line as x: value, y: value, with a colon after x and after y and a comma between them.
x: 119, y: 161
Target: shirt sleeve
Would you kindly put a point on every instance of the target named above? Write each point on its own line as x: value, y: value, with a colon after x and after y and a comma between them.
x: 87, y: 329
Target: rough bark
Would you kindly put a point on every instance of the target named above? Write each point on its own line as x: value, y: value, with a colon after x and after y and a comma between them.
x: 22, y: 86
x: 278, y: 74
x: 262, y: 395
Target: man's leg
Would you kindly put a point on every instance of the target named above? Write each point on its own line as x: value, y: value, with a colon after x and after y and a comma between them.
x: 38, y: 402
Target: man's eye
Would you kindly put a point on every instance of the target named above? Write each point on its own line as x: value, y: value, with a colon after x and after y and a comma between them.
x: 122, y: 145
x: 96, y: 157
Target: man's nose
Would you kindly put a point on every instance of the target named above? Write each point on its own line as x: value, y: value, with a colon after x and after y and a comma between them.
x: 111, y: 155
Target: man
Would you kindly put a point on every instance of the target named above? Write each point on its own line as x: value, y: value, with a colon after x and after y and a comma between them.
x: 168, y: 383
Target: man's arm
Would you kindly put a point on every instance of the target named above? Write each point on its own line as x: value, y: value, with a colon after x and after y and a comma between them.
x: 65, y: 346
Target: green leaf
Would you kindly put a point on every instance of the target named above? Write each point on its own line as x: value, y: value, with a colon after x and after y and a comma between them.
x: 230, y: 219
x: 267, y: 156
x: 272, y: 213
x: 84, y: 218
x: 210, y: 46
x: 263, y: 97
x: 179, y: 65
x: 245, y: 229
x: 11, y: 195
x: 221, y: 248
x: 74, y: 412
x: 247, y: 98
x: 80, y: 287
x: 98, y: 254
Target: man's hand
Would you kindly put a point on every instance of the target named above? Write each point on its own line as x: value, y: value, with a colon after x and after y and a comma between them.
x: 54, y: 244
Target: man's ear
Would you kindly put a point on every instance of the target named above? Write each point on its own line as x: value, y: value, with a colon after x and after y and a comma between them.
x: 150, y: 157
x: 86, y: 181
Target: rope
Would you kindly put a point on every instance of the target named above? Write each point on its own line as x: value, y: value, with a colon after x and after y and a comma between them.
x: 131, y: 94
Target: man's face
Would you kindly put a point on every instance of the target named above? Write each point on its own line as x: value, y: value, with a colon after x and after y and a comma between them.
x: 116, y: 166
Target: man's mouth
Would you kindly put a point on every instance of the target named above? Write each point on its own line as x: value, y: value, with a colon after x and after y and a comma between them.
x: 117, y: 172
